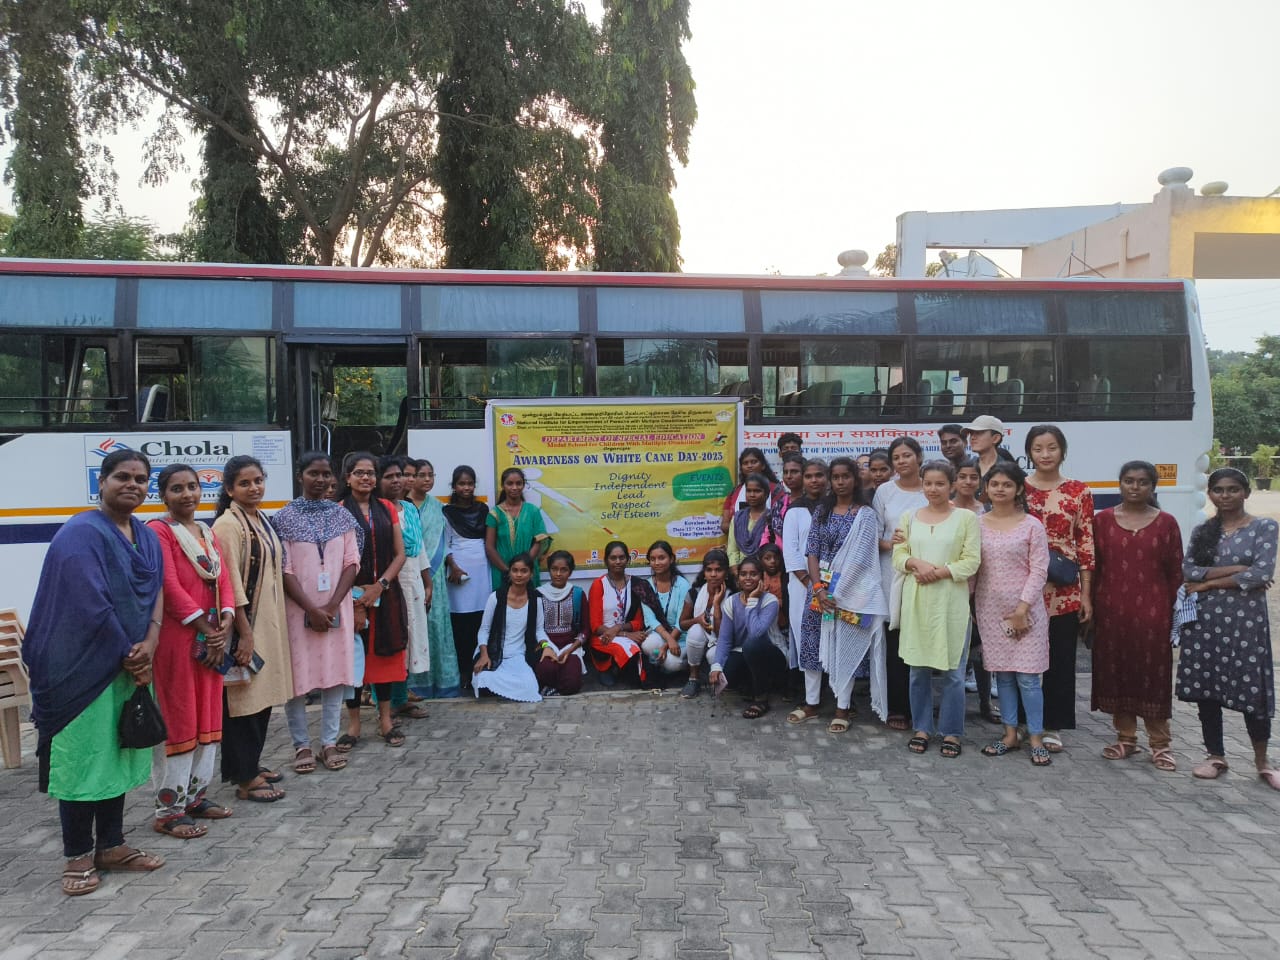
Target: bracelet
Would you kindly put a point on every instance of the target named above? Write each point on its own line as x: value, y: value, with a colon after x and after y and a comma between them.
x: 157, y: 623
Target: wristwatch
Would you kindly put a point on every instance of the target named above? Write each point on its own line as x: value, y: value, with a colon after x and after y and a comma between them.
x: 384, y: 582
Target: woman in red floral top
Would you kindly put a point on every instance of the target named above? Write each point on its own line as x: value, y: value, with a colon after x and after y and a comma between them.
x: 1065, y: 507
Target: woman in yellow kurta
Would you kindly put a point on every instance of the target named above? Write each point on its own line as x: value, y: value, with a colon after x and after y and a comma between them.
x: 937, y: 549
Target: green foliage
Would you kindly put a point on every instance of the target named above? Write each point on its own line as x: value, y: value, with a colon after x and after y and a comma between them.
x: 1263, y: 458
x: 45, y: 169
x: 121, y: 238
x: 1246, y: 397
x: 648, y: 112
x: 1216, y: 459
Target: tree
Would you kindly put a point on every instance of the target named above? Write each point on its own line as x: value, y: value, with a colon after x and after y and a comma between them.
x: 515, y: 176
x: 120, y: 237
x: 648, y: 113
x: 45, y: 169
x: 886, y: 263
x: 1246, y: 398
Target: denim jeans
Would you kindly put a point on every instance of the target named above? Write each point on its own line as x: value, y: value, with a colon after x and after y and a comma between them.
x: 951, y: 708
x: 295, y: 712
x: 1011, y: 685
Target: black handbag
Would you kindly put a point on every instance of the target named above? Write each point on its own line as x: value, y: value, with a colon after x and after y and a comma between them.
x: 141, y: 725
x: 1062, y: 571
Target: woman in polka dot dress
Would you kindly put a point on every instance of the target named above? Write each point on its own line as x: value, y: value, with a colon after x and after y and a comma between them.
x: 1225, y: 659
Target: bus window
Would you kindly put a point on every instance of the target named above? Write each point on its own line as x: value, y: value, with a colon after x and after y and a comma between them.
x: 1126, y: 379
x: 53, y: 379
x: 458, y: 376
x: 671, y: 368
x: 205, y: 379
x: 1011, y: 379
x: 829, y: 380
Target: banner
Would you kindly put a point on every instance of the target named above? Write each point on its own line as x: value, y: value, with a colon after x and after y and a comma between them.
x: 629, y: 470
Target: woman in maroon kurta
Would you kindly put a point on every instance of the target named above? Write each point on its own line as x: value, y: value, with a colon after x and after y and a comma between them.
x: 1139, y: 570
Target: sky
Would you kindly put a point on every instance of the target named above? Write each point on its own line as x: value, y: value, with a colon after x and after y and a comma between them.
x: 820, y: 121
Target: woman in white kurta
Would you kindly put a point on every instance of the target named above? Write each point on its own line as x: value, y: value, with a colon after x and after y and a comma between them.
x: 511, y: 637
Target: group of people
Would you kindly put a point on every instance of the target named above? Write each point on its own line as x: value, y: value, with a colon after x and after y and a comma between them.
x: 898, y: 570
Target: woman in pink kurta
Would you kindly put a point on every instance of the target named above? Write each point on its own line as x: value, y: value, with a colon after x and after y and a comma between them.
x: 322, y: 554
x: 1009, y: 606
x: 199, y: 606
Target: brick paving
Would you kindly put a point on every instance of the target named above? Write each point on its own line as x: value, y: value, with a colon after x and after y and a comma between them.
x: 615, y: 826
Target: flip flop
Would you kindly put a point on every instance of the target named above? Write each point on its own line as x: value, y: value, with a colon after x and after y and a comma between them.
x: 1040, y: 757
x: 76, y: 883
x: 413, y: 712
x: 800, y: 715
x: 271, y: 776
x: 183, y: 828
x: 259, y: 793
x: 127, y: 859
x: 393, y: 737
x: 998, y: 748
x: 346, y: 743
x: 755, y: 711
x: 206, y: 809
x: 897, y: 722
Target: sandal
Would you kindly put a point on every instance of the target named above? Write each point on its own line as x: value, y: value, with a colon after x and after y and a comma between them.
x: 800, y: 715
x: 1040, y: 757
x: 304, y: 761
x: 413, y: 712
x: 332, y: 758
x: 1163, y: 759
x: 837, y: 725
x: 261, y: 792
x: 951, y: 749
x: 76, y: 883
x: 206, y: 809
x: 1271, y: 778
x: 897, y: 722
x: 1120, y: 751
x: 755, y: 711
x: 346, y: 743
x: 918, y: 744
x: 1052, y: 742
x: 127, y: 859
x: 393, y: 737
x: 183, y: 828
x: 271, y: 776
x: 1209, y: 769
x: 998, y: 748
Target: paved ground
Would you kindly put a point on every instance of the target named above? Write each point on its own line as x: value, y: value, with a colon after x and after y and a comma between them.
x: 636, y: 825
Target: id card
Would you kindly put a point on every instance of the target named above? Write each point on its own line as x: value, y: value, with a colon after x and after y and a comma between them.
x: 322, y: 582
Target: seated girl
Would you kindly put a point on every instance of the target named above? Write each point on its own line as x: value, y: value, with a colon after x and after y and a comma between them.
x: 512, y: 633
x: 561, y: 663
x: 663, y: 648
x: 700, y: 618
x: 617, y: 628
x: 748, y: 655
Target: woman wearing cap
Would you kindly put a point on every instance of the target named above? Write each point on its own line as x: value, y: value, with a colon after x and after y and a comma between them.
x: 984, y: 436
x: 1065, y: 507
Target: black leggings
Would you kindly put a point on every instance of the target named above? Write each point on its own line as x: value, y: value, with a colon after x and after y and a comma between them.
x: 78, y: 819
x: 1258, y: 727
x: 242, y: 742
x: 757, y: 670
x: 382, y: 690
x: 897, y: 677
x: 466, y: 633
x: 1060, y: 679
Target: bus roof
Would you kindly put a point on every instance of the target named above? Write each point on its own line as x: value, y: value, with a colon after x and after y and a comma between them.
x: 234, y: 271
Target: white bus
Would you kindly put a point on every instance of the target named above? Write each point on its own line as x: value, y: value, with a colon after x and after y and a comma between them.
x: 197, y: 362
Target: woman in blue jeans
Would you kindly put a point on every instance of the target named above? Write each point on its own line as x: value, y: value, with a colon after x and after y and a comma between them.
x: 746, y: 652
x: 1010, y: 610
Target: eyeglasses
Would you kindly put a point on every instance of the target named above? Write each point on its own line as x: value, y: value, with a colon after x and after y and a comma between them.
x: 366, y: 474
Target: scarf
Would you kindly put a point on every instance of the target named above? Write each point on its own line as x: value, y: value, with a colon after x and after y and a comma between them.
x: 95, y: 600
x: 315, y: 521
x: 202, y: 553
x: 262, y: 541
x: 860, y: 608
x: 778, y: 515
x: 747, y: 537
x: 555, y: 594
x: 388, y: 626
x: 498, y: 627
x: 467, y: 522
x: 434, y: 534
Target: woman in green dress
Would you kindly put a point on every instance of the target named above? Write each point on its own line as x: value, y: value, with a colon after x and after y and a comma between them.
x: 515, y: 526
x: 95, y: 624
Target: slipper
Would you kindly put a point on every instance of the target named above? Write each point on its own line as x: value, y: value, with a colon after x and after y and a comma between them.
x: 897, y: 722
x: 1271, y: 778
x: 951, y: 749
x: 413, y: 712
x: 997, y: 749
x: 800, y: 715
x: 755, y: 711
x: 1052, y: 742
x: 206, y: 809
x: 1040, y: 757
x: 346, y: 743
x: 304, y: 761
x: 183, y: 828
x: 393, y: 737
x: 1163, y: 759
x: 838, y: 725
x: 918, y: 744
x: 76, y: 883
x: 332, y: 759
x: 271, y: 776
x: 259, y: 793
x: 127, y: 859
x: 1209, y: 769
x: 1120, y: 751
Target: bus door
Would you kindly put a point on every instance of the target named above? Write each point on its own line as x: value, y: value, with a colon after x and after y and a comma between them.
x: 350, y: 397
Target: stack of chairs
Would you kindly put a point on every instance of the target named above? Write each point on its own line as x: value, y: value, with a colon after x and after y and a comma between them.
x: 15, y: 689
